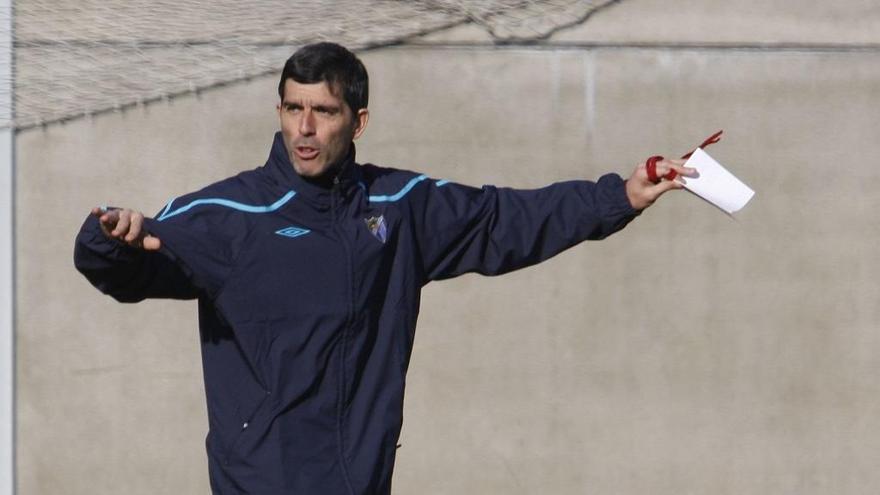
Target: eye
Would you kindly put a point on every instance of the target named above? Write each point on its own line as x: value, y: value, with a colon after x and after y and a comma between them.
x: 326, y: 111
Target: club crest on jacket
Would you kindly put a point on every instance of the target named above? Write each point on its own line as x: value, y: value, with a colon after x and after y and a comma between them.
x: 377, y: 227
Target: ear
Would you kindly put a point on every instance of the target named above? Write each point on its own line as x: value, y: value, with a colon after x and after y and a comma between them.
x: 360, y: 122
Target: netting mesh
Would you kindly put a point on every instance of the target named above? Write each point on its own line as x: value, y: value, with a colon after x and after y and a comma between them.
x: 89, y: 56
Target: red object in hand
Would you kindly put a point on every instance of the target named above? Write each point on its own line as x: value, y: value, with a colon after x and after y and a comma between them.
x: 651, y: 163
x: 651, y: 168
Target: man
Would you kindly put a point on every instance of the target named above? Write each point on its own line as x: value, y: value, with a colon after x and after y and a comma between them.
x: 308, y: 272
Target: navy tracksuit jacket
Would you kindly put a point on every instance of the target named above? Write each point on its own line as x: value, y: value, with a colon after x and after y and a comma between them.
x: 308, y: 299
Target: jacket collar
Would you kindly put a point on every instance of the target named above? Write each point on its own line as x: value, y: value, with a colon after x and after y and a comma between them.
x: 279, y: 167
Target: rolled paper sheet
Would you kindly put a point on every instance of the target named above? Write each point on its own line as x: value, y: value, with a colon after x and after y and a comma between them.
x: 715, y: 184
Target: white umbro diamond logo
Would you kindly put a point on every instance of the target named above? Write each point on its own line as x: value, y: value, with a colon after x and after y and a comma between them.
x: 293, y: 231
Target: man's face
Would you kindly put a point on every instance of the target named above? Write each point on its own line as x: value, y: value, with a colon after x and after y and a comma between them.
x: 318, y: 127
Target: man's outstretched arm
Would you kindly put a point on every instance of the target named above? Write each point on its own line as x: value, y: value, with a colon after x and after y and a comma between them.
x: 493, y: 230
x: 118, y: 256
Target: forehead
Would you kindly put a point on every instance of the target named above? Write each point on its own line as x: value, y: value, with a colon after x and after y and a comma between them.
x: 314, y: 93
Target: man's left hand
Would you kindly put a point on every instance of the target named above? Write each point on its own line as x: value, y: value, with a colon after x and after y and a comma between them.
x: 642, y: 192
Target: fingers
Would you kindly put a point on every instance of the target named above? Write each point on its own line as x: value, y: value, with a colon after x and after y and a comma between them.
x: 134, y: 228
x: 657, y: 190
x: 670, y: 169
x: 680, y: 169
x: 122, y: 224
x: 642, y: 192
x: 151, y: 243
x: 655, y: 177
x: 107, y: 219
x: 126, y: 226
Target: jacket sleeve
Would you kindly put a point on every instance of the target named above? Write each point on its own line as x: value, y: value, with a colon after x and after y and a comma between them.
x: 125, y: 273
x: 493, y: 230
x: 199, y: 243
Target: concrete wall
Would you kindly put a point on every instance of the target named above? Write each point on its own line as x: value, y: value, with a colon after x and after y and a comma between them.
x: 690, y: 353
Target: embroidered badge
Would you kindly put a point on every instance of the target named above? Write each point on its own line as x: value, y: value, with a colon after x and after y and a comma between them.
x: 292, y: 231
x: 377, y: 227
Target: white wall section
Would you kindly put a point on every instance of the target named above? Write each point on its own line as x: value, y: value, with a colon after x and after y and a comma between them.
x: 7, y: 285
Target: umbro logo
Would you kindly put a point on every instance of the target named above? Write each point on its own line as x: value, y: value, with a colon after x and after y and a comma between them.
x: 292, y: 231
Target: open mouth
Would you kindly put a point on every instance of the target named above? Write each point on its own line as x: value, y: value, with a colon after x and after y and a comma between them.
x: 306, y: 152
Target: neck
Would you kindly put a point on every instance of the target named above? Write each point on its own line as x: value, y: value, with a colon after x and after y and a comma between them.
x: 325, y: 180
x: 338, y: 169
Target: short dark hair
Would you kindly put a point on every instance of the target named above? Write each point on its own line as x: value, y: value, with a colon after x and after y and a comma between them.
x: 333, y: 63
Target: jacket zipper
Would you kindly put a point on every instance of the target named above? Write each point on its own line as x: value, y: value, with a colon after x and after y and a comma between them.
x: 336, y: 207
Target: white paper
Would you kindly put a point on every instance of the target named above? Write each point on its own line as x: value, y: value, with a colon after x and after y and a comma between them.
x: 715, y: 184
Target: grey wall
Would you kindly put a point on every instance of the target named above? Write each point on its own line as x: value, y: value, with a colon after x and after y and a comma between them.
x: 690, y: 353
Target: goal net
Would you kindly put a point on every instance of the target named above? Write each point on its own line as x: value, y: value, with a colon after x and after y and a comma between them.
x: 83, y: 57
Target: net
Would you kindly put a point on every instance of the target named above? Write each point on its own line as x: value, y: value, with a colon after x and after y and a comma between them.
x: 75, y: 59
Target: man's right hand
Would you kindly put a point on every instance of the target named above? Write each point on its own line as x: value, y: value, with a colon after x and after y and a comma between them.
x: 126, y: 226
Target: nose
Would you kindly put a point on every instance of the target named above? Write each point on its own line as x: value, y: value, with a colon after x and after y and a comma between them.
x: 307, y: 123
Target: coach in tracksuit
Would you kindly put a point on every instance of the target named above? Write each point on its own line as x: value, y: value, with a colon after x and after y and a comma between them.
x: 308, y: 272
